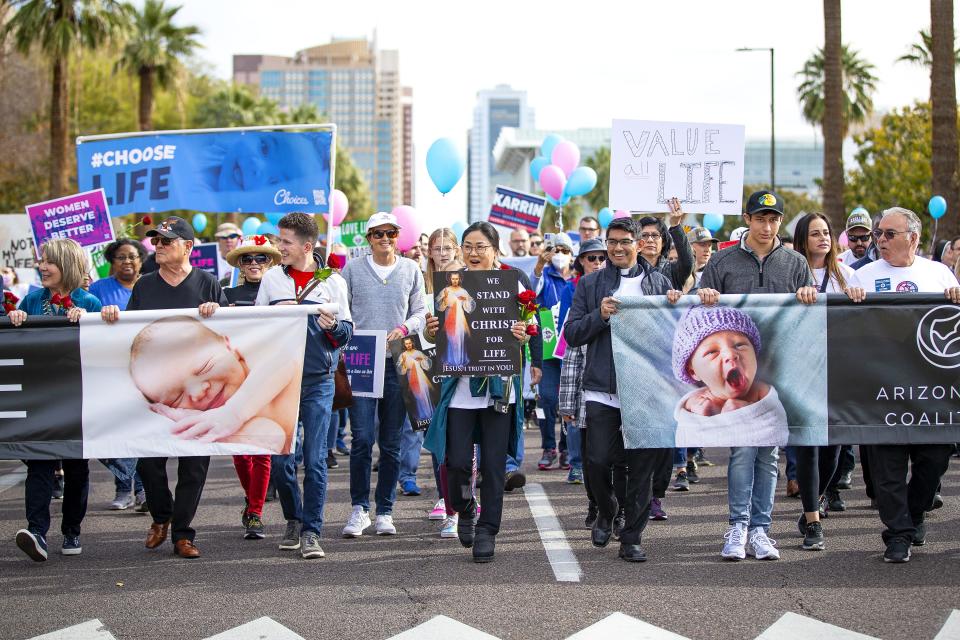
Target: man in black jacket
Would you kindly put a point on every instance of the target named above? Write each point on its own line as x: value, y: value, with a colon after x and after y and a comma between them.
x: 588, y: 323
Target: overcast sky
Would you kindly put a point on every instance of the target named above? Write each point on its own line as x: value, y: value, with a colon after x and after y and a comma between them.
x: 581, y: 63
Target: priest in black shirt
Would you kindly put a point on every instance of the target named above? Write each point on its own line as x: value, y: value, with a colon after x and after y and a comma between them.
x: 175, y: 285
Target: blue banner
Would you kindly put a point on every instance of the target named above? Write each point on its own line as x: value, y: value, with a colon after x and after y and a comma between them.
x: 239, y: 170
x: 205, y: 256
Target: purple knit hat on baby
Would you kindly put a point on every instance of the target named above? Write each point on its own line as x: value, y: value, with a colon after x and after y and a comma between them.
x: 701, y: 321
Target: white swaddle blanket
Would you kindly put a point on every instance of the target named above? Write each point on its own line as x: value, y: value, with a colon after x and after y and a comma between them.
x: 761, y: 424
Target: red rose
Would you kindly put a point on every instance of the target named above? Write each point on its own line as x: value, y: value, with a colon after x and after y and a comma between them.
x: 147, y: 220
x: 532, y: 330
x: 55, y: 299
x: 8, y: 307
x: 9, y: 297
x: 531, y: 307
x: 504, y: 267
x: 66, y: 302
x: 526, y: 297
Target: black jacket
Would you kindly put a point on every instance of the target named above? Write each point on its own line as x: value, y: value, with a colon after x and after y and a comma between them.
x: 584, y: 325
x: 677, y: 272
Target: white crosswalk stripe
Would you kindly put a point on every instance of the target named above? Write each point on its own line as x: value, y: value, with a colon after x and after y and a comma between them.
x: 443, y: 628
x: 951, y: 628
x: 559, y: 554
x: 89, y: 630
x: 618, y: 625
x: 264, y: 628
x: 12, y: 479
x: 792, y: 626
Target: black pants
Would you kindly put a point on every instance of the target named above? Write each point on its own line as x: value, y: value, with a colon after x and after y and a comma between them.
x: 191, y: 476
x: 38, y: 491
x: 606, y: 450
x: 845, y: 464
x: 901, y: 503
x: 494, y: 430
x: 619, y: 474
x: 865, y: 470
x: 815, y: 469
x: 662, y: 478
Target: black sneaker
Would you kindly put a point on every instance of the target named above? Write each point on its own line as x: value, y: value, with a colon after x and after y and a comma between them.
x: 701, y: 459
x: 514, y: 480
x: 254, y: 528
x: 591, y: 516
x: 692, y: 474
x: 681, y: 483
x: 936, y: 504
x: 813, y: 537
x: 32, y: 544
x: 920, y: 536
x: 802, y: 524
x: 898, y: 550
x: 619, y: 523
x: 332, y: 462
x: 467, y: 526
x: 342, y: 451
x: 57, y: 487
x: 271, y: 493
x: 835, y: 502
x: 845, y: 481
x: 244, y: 518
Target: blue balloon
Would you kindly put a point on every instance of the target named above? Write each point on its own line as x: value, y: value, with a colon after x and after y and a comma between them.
x: 580, y: 182
x: 536, y: 166
x: 274, y: 218
x: 250, y: 226
x: 266, y: 228
x: 564, y: 200
x: 937, y: 207
x: 713, y: 221
x: 605, y: 216
x: 458, y: 228
x: 546, y: 147
x: 199, y: 222
x: 445, y: 164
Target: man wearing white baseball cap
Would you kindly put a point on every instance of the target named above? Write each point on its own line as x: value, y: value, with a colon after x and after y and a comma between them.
x: 386, y: 294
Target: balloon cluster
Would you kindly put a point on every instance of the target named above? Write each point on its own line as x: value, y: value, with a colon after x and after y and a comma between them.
x: 557, y: 171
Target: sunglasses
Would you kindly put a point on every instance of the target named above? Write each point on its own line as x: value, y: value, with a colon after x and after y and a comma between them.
x: 889, y: 234
x: 536, y: 243
x: 254, y: 259
x: 378, y: 234
x: 594, y: 258
x: 859, y: 238
x: 158, y: 240
x: 232, y: 236
x: 563, y: 250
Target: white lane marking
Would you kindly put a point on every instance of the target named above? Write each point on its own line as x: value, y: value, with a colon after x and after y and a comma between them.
x: 619, y: 625
x: 11, y: 387
x: 793, y: 626
x: 13, y: 414
x: 562, y: 561
x: 264, y: 628
x: 11, y: 362
x: 951, y: 628
x: 90, y: 630
x: 443, y: 628
x: 12, y: 479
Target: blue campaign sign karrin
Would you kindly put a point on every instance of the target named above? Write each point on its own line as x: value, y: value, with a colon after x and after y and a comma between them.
x: 252, y: 169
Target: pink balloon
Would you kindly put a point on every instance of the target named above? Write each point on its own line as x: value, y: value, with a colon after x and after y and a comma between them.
x: 338, y: 207
x: 842, y: 240
x: 553, y: 180
x: 620, y: 213
x: 410, y: 233
x: 566, y: 155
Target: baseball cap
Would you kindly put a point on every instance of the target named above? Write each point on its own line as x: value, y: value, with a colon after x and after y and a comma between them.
x: 227, y: 229
x: 737, y: 233
x: 700, y: 234
x: 381, y: 218
x: 859, y: 219
x: 761, y: 201
x: 172, y: 227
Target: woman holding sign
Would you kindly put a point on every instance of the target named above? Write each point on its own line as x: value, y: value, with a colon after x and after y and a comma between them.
x: 485, y: 406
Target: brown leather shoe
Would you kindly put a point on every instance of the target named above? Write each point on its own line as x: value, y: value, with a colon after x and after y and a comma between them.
x: 158, y: 533
x: 793, y: 489
x: 185, y: 549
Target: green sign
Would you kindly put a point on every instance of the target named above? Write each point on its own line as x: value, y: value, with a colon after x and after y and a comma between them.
x: 548, y: 330
x: 353, y: 234
x: 100, y: 264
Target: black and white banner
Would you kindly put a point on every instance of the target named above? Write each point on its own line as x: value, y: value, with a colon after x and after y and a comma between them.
x: 156, y: 383
x: 762, y: 370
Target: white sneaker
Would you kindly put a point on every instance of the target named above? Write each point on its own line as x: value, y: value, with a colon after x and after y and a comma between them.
x: 359, y: 520
x: 122, y: 502
x: 761, y: 547
x: 449, y: 529
x: 736, y: 538
x: 439, y: 511
x: 385, y: 526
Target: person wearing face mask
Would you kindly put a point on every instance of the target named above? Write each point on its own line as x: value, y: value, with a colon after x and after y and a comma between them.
x: 554, y: 285
x: 11, y: 282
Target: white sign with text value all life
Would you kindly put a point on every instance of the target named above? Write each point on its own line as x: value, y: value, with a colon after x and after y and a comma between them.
x: 701, y: 164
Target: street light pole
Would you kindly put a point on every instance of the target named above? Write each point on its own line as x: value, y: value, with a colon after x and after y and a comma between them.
x: 773, y: 143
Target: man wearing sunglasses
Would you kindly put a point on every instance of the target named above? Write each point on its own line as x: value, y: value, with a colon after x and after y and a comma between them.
x: 859, y: 229
x: 536, y: 244
x: 902, y: 504
x: 386, y: 294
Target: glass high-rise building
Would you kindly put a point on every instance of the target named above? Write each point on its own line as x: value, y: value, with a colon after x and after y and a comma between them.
x: 356, y: 87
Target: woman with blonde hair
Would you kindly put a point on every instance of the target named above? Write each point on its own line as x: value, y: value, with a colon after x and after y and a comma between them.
x: 444, y: 255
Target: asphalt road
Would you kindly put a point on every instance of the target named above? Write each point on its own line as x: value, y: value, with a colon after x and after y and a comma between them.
x: 376, y: 587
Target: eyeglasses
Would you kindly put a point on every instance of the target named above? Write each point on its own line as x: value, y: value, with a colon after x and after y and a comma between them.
x: 563, y: 250
x: 232, y: 236
x: 127, y: 257
x: 254, y: 259
x: 476, y: 249
x: 588, y: 229
x: 613, y: 244
x: 379, y: 233
x: 443, y: 250
x: 536, y: 243
x: 594, y: 257
x: 889, y: 234
x: 859, y: 238
x: 650, y: 236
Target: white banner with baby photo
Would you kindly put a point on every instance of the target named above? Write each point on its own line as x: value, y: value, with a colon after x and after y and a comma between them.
x: 168, y: 383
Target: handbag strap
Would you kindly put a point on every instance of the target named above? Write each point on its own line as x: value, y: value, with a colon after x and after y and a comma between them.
x: 313, y: 284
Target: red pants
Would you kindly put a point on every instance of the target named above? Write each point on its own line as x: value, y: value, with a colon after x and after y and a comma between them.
x: 254, y: 474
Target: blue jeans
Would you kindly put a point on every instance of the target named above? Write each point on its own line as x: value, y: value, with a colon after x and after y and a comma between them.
x: 514, y: 464
x: 125, y: 476
x: 410, y: 444
x: 751, y: 482
x: 316, y: 401
x: 679, y: 457
x: 550, y: 403
x: 573, y: 444
x: 791, y: 455
x: 338, y: 427
x: 391, y: 411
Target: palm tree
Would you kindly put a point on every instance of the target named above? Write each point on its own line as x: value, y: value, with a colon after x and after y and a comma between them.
x: 832, y: 119
x: 919, y: 52
x: 943, y: 96
x: 859, y: 84
x: 154, y: 51
x: 60, y: 28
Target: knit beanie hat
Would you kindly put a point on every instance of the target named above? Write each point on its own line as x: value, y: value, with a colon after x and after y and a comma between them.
x: 699, y: 322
